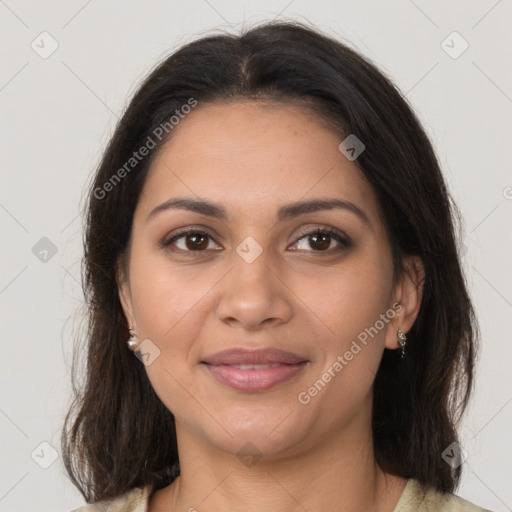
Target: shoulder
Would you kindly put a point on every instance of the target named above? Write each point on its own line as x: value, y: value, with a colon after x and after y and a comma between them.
x: 135, y: 500
x: 421, y: 498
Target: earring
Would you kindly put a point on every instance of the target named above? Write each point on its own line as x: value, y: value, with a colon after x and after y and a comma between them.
x: 402, y: 340
x: 132, y: 344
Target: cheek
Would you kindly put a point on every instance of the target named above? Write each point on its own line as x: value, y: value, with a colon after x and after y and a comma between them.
x: 349, y: 298
x: 172, y: 304
x: 164, y: 296
x: 169, y: 307
x: 351, y: 305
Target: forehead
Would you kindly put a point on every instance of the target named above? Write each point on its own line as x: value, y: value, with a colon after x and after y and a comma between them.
x: 254, y: 156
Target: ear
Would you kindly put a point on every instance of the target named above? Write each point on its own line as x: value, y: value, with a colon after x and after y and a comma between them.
x: 125, y: 294
x: 409, y: 293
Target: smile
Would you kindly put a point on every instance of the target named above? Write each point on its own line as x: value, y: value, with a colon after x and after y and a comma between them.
x: 253, y: 377
x: 253, y: 369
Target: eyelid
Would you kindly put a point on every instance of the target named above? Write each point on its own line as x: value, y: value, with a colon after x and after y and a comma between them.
x: 185, y: 231
x: 324, y: 229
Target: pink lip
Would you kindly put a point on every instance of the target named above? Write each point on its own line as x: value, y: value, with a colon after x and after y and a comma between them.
x: 222, y: 366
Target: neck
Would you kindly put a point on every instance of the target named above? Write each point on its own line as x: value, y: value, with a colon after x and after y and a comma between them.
x: 338, y: 474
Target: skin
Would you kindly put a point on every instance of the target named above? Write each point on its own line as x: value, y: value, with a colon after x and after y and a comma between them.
x: 252, y: 158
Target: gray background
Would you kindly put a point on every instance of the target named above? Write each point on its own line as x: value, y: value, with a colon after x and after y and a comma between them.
x: 58, y: 112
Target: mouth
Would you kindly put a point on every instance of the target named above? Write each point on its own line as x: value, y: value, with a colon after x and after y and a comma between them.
x: 254, y: 370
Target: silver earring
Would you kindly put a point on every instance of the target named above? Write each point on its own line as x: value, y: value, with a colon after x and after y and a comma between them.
x: 402, y: 340
x: 133, y: 345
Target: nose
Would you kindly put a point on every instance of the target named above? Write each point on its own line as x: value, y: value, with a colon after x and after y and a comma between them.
x: 253, y: 295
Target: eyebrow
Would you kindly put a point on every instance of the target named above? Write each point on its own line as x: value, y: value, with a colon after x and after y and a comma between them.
x: 287, y: 212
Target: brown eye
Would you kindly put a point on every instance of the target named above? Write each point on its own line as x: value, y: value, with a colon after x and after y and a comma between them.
x: 189, y: 241
x: 193, y: 241
x: 320, y: 240
x: 196, y: 241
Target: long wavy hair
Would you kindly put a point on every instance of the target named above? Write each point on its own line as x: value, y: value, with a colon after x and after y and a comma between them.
x: 118, y: 434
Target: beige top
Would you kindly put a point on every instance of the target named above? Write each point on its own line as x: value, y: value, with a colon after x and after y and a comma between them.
x: 415, y: 498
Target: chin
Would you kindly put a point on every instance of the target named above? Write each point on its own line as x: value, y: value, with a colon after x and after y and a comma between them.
x: 257, y: 445
x: 253, y: 434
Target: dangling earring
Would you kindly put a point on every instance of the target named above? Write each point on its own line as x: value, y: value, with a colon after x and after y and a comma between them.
x: 132, y: 344
x: 402, y: 340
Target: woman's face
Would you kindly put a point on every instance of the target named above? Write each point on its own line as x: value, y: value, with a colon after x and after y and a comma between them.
x: 257, y: 280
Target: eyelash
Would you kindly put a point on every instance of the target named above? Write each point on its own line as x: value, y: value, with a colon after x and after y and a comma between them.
x: 339, y: 236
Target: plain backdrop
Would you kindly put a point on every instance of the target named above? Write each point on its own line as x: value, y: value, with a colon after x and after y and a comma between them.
x: 68, y: 70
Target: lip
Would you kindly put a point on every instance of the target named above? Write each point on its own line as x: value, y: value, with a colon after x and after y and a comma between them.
x: 236, y: 368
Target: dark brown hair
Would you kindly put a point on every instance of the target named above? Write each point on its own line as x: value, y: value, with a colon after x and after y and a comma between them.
x: 118, y: 434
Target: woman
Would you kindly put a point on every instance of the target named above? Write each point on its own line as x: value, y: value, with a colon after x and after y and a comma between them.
x: 269, y: 232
